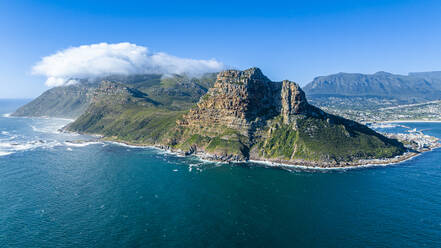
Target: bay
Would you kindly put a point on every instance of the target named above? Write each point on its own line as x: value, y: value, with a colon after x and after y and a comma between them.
x: 54, y: 193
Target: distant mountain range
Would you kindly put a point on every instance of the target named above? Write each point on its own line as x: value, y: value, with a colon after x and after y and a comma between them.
x: 413, y: 88
x: 363, y: 97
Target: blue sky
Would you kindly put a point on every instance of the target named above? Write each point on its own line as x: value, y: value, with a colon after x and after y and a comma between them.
x: 296, y: 40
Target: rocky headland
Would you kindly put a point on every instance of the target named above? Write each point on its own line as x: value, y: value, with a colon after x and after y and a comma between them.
x: 246, y: 116
x: 236, y: 116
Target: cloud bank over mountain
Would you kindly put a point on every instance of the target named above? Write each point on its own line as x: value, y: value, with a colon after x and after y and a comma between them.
x: 96, y: 60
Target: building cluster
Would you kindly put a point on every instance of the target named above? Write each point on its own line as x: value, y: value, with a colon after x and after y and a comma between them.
x: 416, y: 140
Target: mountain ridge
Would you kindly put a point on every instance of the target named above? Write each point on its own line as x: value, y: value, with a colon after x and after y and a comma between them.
x: 381, y: 83
x: 175, y: 91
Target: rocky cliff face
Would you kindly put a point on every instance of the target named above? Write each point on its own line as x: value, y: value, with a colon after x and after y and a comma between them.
x: 247, y: 116
x: 245, y: 101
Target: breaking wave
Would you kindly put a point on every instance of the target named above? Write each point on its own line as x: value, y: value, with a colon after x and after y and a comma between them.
x: 10, y: 147
x: 34, y: 133
x: 82, y: 143
x: 4, y: 153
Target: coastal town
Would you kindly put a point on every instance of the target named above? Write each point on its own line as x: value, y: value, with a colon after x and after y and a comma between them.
x: 428, y: 111
x: 416, y: 140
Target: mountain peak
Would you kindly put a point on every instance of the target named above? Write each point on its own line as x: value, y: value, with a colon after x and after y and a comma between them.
x: 382, y: 73
x: 253, y: 74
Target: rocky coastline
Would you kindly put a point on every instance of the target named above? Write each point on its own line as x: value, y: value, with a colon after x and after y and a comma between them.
x: 301, y: 164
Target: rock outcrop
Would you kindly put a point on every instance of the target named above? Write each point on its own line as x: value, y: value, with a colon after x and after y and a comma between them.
x: 245, y: 101
x: 247, y: 116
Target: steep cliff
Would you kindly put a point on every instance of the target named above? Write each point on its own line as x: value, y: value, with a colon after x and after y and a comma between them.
x: 247, y: 116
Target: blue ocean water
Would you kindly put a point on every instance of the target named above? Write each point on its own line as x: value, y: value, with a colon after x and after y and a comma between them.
x: 57, y: 194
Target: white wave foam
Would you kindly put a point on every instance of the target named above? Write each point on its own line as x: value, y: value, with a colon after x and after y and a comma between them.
x: 375, y: 163
x: 383, y: 125
x: 15, y: 146
x: 47, y: 129
x: 130, y: 146
x: 6, y: 115
x: 82, y: 144
x: 5, y: 153
x: 8, y: 138
x: 10, y: 142
x: 48, y: 125
x: 48, y: 118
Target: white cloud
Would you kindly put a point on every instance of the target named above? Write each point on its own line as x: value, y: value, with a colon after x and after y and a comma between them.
x: 104, y: 59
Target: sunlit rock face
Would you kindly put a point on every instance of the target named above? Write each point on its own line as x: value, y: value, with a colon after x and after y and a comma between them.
x: 247, y: 116
x: 245, y: 100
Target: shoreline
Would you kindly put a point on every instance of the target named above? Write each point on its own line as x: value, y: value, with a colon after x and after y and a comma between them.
x: 301, y: 164
x: 352, y: 165
x: 305, y: 165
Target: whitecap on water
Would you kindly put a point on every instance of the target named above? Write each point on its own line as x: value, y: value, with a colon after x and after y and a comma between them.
x: 81, y: 144
x: 48, y: 125
x: 47, y: 129
x: 11, y: 142
x: 197, y: 167
x: 383, y: 125
x: 5, y: 153
x: 10, y: 147
x: 130, y: 146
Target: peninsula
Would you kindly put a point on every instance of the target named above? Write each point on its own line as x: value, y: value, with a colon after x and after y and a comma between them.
x: 237, y: 116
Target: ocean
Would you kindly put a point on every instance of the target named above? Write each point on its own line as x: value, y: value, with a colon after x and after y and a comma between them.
x: 56, y: 193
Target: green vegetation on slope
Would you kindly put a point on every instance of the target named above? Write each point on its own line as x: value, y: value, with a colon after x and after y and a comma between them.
x: 176, y: 92
x: 131, y: 123
x: 216, y: 140
x: 281, y: 143
x: 125, y: 114
x: 64, y: 102
x: 335, y: 139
